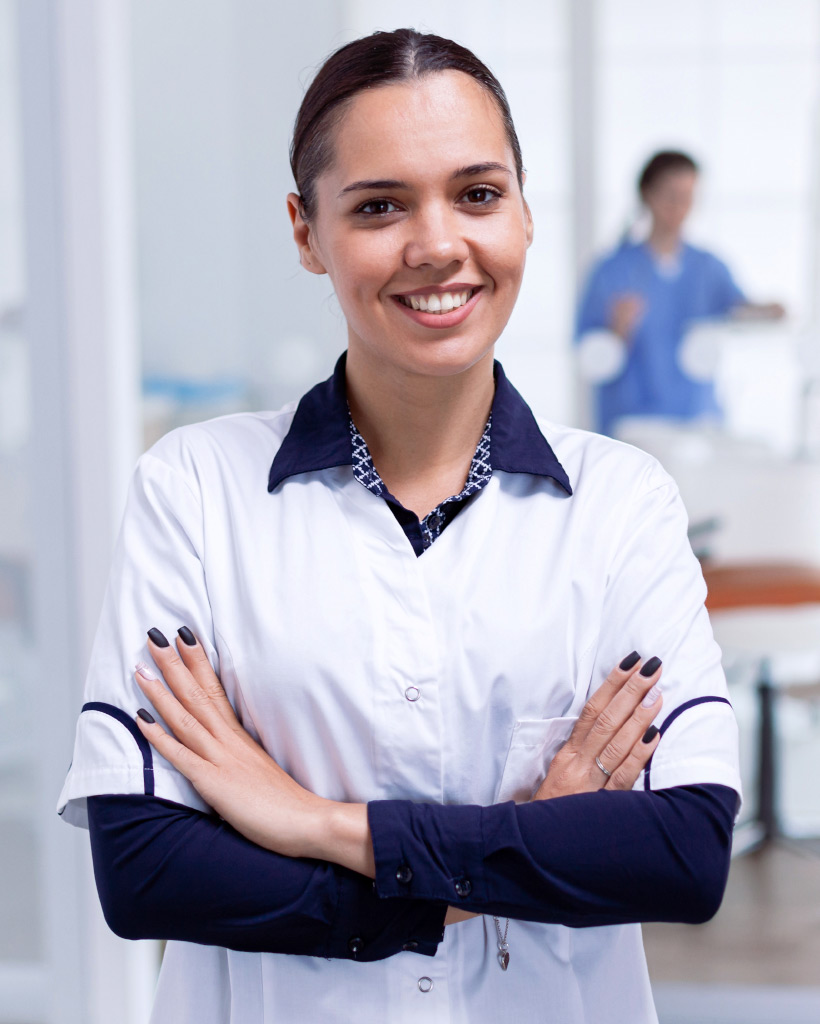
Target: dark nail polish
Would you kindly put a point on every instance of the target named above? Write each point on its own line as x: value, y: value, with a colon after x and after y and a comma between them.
x: 630, y: 661
x: 651, y: 667
x: 157, y: 638
x: 650, y: 734
x: 187, y: 636
x: 145, y: 716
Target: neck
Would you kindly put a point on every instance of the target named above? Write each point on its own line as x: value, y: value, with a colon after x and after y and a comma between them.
x: 421, y: 430
x: 664, y: 241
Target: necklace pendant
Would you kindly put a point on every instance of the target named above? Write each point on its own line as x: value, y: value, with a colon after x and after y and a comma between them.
x: 503, y: 955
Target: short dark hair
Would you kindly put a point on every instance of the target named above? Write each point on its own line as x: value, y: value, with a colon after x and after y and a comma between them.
x: 378, y: 59
x: 662, y: 163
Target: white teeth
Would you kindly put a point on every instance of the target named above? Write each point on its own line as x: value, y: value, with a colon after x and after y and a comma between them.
x: 442, y: 302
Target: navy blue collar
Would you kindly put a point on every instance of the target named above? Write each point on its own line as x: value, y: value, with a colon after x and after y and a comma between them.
x: 319, y: 436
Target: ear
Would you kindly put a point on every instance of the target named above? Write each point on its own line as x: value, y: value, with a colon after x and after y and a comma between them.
x: 528, y: 225
x: 303, y: 236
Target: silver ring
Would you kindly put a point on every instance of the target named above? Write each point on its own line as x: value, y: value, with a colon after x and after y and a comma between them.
x: 606, y: 771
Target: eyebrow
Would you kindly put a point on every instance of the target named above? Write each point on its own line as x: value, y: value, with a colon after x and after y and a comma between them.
x: 470, y: 171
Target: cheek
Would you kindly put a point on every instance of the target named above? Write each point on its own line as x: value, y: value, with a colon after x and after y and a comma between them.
x: 364, y: 266
x: 504, y: 256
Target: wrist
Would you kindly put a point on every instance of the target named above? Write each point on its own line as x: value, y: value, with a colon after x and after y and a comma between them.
x: 341, y: 834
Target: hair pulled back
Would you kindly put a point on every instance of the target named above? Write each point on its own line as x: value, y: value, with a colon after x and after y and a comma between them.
x: 662, y: 163
x: 379, y: 59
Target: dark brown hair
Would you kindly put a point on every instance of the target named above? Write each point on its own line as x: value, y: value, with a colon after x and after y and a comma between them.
x: 366, y: 63
x: 661, y: 163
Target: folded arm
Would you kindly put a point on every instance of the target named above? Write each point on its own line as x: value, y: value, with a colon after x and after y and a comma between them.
x: 170, y: 872
x: 584, y: 860
x: 591, y: 857
x: 166, y: 871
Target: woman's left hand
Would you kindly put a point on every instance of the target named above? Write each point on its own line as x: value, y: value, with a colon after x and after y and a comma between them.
x: 610, y: 743
x: 228, y: 768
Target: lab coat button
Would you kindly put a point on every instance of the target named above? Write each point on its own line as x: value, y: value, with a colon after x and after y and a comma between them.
x: 410, y: 945
x: 463, y: 887
x: 425, y: 984
x: 404, y: 874
x: 355, y: 945
x: 412, y: 693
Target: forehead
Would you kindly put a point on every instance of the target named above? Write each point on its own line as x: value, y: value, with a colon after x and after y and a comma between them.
x: 678, y: 179
x: 419, y: 127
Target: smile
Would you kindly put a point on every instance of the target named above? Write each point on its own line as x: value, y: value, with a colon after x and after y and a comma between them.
x: 437, y: 302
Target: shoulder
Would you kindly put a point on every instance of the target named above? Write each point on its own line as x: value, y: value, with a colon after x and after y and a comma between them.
x: 239, y: 445
x: 704, y: 259
x: 600, y: 468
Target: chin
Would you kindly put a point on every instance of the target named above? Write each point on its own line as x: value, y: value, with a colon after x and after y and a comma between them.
x: 446, y: 358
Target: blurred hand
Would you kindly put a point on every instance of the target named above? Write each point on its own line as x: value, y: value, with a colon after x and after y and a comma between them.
x: 759, y: 311
x: 626, y: 312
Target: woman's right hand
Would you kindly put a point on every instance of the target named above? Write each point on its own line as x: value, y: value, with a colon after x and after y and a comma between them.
x: 614, y: 727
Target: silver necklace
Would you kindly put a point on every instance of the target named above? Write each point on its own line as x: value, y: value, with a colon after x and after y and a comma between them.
x: 503, y: 948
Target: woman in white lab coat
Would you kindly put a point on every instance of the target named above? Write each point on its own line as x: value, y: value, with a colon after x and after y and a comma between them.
x: 389, y: 740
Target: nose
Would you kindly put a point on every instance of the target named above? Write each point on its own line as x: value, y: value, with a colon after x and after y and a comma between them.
x: 436, y: 239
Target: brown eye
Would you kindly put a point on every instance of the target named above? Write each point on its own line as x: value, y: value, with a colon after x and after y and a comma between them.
x: 377, y: 207
x: 481, y: 196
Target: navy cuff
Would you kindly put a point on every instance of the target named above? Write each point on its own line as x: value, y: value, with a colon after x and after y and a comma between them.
x: 422, y: 853
x: 368, y: 928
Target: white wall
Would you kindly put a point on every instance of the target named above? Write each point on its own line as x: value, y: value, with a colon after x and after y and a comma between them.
x: 216, y: 87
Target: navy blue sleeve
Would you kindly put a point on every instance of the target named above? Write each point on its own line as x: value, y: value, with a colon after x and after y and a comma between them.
x: 588, y: 859
x: 166, y: 871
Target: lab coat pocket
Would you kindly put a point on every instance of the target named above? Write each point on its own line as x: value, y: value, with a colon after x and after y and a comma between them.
x: 534, y: 743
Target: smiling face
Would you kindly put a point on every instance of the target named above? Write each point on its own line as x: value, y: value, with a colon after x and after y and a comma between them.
x: 420, y: 224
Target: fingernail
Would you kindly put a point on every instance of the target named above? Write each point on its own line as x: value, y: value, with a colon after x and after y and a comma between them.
x: 145, y: 671
x: 187, y: 636
x: 630, y: 661
x: 650, y: 734
x: 651, y: 667
x: 157, y: 638
x: 145, y: 716
x: 651, y: 697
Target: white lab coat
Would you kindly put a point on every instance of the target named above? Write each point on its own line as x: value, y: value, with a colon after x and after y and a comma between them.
x: 319, y: 616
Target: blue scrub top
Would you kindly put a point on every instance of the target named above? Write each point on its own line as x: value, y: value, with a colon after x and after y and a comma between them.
x: 652, y: 383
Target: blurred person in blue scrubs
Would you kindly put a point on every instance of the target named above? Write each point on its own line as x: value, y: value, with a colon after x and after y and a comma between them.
x: 640, y: 300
